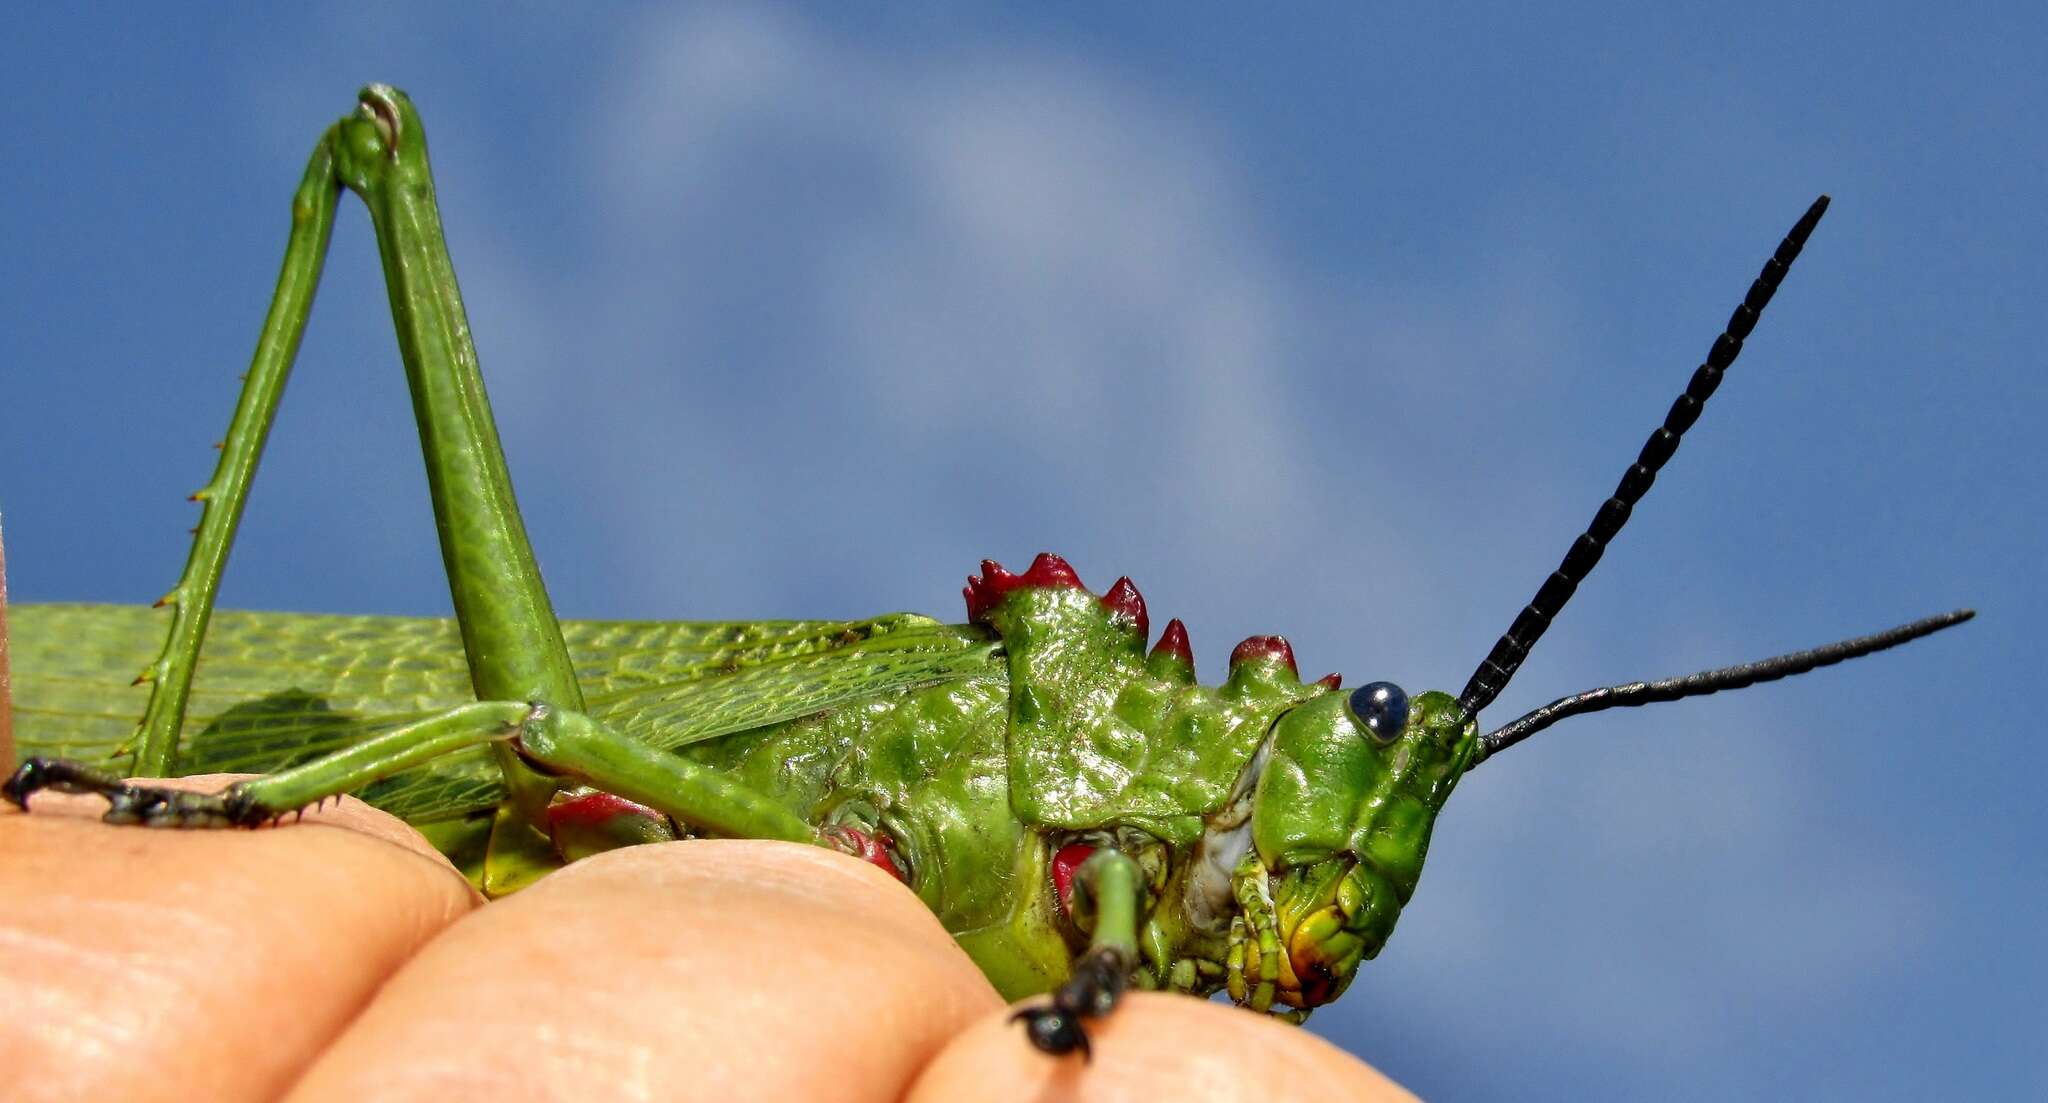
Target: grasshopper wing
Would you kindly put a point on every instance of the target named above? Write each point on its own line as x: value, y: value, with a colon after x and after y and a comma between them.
x: 275, y: 689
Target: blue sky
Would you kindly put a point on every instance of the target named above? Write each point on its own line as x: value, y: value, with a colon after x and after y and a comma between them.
x: 1337, y: 327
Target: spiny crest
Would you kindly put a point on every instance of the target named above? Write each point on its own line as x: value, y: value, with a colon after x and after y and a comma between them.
x: 1124, y: 602
x: 1172, y: 657
x: 1172, y: 660
x: 984, y: 590
x: 1261, y: 661
x: 1264, y: 649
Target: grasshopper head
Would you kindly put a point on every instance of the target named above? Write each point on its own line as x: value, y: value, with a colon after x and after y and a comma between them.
x: 1341, y: 821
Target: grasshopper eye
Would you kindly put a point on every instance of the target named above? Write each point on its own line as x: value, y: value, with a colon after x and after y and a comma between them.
x: 1381, y: 709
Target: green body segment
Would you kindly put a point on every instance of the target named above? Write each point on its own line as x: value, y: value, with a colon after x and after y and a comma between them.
x: 1099, y: 739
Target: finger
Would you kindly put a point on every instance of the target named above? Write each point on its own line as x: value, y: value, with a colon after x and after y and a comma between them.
x: 144, y: 964
x: 6, y: 702
x: 1153, y: 1047
x: 732, y: 969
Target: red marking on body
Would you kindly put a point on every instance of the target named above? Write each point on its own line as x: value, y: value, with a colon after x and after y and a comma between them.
x: 869, y: 847
x: 984, y: 590
x: 1064, y: 864
x: 1051, y: 570
x: 595, y: 809
x: 1331, y: 681
x: 1124, y: 601
x: 1264, y: 647
x: 1174, y: 642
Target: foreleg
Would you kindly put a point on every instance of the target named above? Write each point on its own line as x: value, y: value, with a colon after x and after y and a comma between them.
x: 1112, y: 886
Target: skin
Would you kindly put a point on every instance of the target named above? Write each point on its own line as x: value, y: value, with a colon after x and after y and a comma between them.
x: 367, y: 967
x: 6, y: 710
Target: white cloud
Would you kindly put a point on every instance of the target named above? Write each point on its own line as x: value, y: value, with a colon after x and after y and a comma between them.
x: 1006, y: 261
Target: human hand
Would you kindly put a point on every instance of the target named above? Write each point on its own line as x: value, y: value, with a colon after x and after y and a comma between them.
x: 345, y: 959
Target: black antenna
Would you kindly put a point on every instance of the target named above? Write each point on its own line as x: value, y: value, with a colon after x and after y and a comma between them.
x: 1507, y: 655
x: 1708, y: 681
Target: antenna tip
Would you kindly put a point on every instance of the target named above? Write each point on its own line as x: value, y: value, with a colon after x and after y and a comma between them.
x: 1806, y: 223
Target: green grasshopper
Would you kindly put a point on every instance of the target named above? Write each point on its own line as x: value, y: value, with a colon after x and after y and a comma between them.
x: 1076, y: 810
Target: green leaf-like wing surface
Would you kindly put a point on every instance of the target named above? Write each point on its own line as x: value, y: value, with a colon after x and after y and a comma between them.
x: 274, y: 689
x: 780, y: 676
